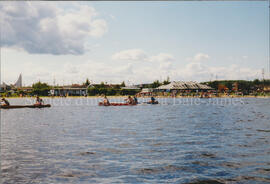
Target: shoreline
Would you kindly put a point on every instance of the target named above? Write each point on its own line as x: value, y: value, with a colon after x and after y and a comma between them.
x: 57, y: 97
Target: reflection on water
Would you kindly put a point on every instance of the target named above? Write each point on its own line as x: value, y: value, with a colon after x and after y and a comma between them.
x: 202, y: 142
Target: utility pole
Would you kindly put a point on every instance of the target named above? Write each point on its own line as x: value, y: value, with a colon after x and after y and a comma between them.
x: 269, y: 40
x: 263, y: 77
x: 0, y: 57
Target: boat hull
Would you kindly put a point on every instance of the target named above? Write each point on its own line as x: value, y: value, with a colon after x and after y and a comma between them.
x: 24, y: 106
x: 156, y: 102
x: 115, y: 104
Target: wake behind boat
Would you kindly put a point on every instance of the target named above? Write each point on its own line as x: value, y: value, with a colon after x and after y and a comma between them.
x: 24, y: 106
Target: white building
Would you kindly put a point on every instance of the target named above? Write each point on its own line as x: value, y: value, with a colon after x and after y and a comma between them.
x: 180, y: 85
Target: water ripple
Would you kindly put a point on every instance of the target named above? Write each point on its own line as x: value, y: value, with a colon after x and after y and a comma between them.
x: 185, y: 143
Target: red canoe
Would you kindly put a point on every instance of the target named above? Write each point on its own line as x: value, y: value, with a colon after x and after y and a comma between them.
x: 115, y: 104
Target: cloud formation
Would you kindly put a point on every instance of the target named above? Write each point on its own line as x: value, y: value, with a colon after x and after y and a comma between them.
x: 164, y: 64
x: 130, y: 55
x: 162, y: 57
x: 140, y: 55
x: 47, y: 28
x: 99, y: 71
x: 153, y: 67
x: 199, y: 57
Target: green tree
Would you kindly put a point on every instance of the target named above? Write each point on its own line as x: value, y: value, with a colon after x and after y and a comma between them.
x: 102, y: 85
x: 117, y: 86
x: 123, y: 84
x: 93, y: 91
x: 167, y: 81
x: 40, y: 88
x: 256, y: 82
x: 87, y: 82
x: 155, y: 84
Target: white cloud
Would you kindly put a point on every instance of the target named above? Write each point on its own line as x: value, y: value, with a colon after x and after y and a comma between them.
x: 140, y: 55
x: 112, y: 16
x: 163, y: 65
x: 154, y: 66
x: 199, y: 57
x: 162, y: 57
x: 201, y: 72
x: 100, y: 71
x: 48, y: 28
x: 71, y: 69
x: 158, y: 67
x: 130, y: 55
x: 163, y: 60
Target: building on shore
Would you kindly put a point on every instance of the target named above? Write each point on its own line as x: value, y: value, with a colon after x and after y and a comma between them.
x: 4, y: 87
x: 18, y: 83
x: 146, y: 92
x: 131, y: 87
x: 266, y: 89
x: 70, y: 90
x: 180, y: 86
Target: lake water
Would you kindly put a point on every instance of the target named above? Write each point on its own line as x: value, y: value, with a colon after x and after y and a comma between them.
x: 178, y: 141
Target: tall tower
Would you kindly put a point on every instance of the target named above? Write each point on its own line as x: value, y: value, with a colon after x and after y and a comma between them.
x: 18, y: 83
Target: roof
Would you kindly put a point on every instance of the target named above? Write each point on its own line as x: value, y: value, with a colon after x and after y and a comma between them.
x: 3, y: 85
x: 73, y: 86
x: 130, y: 87
x: 147, y: 90
x: 68, y: 88
x: 184, y: 85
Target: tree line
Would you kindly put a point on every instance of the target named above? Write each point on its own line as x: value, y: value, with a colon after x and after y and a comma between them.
x: 242, y: 85
x: 43, y: 89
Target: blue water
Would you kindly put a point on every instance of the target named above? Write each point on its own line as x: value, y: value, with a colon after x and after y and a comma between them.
x: 178, y: 141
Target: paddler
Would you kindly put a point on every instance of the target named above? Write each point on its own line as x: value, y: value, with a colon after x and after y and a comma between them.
x: 5, y: 101
x: 106, y: 101
x: 129, y: 100
x: 135, y: 100
x: 39, y: 101
x: 153, y: 100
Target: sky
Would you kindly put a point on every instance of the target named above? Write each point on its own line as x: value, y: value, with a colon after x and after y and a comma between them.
x: 136, y: 42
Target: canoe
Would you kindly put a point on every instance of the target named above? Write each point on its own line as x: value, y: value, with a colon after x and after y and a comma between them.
x: 24, y: 106
x: 115, y: 104
x: 156, y: 102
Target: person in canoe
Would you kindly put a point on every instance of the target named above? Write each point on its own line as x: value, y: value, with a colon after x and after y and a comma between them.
x: 39, y: 101
x: 5, y: 102
x: 129, y: 100
x: 153, y: 100
x: 106, y: 101
x: 135, y: 100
